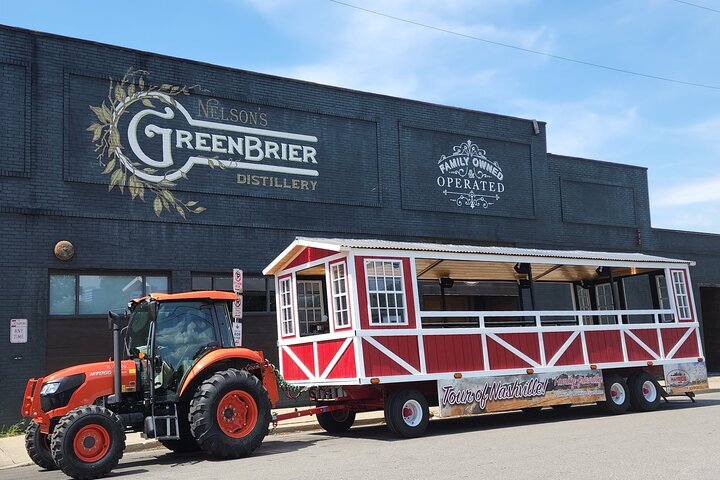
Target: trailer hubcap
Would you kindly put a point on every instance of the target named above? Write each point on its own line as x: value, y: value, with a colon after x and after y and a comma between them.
x: 412, y: 413
x: 91, y: 443
x: 237, y: 413
x: 617, y: 393
x: 649, y: 391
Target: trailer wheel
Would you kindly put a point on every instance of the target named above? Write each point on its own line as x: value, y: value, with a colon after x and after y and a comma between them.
x: 644, y: 392
x: 617, y: 395
x: 337, y: 421
x: 230, y: 414
x: 88, y: 442
x: 408, y: 413
x: 37, y: 445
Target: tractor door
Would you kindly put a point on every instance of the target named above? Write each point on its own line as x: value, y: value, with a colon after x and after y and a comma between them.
x: 184, y: 331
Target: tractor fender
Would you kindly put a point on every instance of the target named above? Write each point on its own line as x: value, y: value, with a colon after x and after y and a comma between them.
x: 206, y: 363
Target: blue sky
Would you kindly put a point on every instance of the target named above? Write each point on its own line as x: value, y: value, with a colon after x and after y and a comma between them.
x: 672, y: 129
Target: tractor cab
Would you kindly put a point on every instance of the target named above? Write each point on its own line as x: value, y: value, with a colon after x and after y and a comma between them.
x: 171, y: 332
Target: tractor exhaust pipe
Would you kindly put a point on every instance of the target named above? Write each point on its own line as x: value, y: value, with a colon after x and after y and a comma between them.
x: 114, y: 321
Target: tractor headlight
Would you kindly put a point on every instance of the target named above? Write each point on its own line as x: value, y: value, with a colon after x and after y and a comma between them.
x: 49, y: 388
x: 57, y: 394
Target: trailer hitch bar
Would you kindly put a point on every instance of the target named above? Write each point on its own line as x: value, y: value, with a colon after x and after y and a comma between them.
x: 302, y: 413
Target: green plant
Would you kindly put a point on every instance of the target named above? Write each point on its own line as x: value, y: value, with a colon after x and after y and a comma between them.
x: 12, y: 430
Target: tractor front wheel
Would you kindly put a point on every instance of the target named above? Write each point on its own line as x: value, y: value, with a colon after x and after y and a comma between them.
x: 230, y: 414
x: 88, y: 442
x: 37, y: 445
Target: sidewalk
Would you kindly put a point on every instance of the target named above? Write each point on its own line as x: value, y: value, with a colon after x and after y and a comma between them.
x: 12, y: 449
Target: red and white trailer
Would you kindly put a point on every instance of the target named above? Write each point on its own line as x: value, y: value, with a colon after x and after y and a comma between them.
x: 362, y: 324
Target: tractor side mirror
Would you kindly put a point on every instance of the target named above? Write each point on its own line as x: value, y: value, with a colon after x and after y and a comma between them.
x: 115, y: 320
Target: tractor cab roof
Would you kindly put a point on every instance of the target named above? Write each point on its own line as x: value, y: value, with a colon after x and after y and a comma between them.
x: 199, y: 295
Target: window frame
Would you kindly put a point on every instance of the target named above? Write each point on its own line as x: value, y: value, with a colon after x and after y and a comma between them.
x: 321, y: 307
x: 269, y: 292
x: 77, y: 274
x: 290, y: 306
x: 334, y: 295
x: 685, y: 284
x: 403, y: 291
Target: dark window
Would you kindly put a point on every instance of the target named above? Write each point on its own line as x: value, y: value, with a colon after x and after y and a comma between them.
x: 258, y: 291
x: 81, y: 294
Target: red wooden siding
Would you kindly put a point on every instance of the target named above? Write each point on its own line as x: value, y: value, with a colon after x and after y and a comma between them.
x: 405, y: 347
x: 635, y: 352
x: 310, y: 254
x: 326, y: 352
x: 670, y: 337
x: 553, y: 341
x: 362, y: 293
x: 689, y: 348
x: 453, y: 353
x: 377, y: 364
x: 604, y: 346
x: 290, y: 369
x: 345, y: 368
x: 500, y: 358
x: 527, y: 343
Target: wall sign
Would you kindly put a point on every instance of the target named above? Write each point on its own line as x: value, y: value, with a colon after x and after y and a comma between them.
x: 18, y: 330
x: 163, y: 144
x: 468, y: 178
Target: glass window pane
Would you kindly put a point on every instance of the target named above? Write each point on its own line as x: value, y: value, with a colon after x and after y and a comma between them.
x: 100, y: 293
x: 253, y: 284
x: 202, y: 283
x: 62, y: 294
x: 254, y: 302
x: 156, y: 284
x: 222, y: 283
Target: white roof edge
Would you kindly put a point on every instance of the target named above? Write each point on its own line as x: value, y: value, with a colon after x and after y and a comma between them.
x: 340, y: 244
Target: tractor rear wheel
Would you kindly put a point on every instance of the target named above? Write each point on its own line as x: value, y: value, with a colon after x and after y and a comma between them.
x: 37, y: 445
x: 230, y: 414
x: 88, y: 442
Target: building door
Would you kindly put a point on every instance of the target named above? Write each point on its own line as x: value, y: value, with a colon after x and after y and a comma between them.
x: 710, y: 308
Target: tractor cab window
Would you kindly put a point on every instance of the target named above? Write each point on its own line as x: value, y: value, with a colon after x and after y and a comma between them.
x: 138, y: 328
x: 183, y: 332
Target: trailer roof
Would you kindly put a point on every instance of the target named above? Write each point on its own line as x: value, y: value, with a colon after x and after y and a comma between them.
x: 465, y: 251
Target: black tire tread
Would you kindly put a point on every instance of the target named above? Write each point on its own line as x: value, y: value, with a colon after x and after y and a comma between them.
x: 394, y: 413
x: 203, y: 423
x: 36, y: 449
x: 328, y: 422
x: 608, y: 406
x: 67, y: 463
x: 637, y: 400
x: 186, y: 443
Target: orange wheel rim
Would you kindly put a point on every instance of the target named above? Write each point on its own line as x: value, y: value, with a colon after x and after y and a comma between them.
x: 237, y: 413
x: 91, y: 443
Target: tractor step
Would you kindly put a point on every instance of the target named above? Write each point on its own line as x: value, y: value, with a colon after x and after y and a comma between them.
x: 162, y: 423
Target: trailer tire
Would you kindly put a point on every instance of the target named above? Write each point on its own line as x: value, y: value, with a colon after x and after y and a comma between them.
x: 230, y: 414
x: 617, y: 395
x: 408, y: 412
x: 88, y: 442
x: 388, y: 420
x: 644, y: 392
x: 337, y: 421
x: 37, y: 445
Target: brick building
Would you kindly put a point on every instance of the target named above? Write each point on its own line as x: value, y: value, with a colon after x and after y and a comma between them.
x: 164, y: 174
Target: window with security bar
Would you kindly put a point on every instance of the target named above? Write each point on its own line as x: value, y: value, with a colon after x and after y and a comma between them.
x: 339, y: 295
x: 286, y: 307
x: 385, y: 291
x: 681, y: 295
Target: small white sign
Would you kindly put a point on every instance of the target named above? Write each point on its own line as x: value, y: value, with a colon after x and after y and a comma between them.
x: 18, y: 330
x: 237, y: 312
x: 237, y: 280
x: 237, y: 333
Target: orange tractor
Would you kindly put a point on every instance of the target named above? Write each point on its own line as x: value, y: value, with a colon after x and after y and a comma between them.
x: 175, y: 376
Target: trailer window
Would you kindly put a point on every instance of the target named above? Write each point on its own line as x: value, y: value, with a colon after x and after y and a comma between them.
x: 663, y: 299
x: 385, y: 291
x: 339, y: 295
x: 681, y: 295
x: 286, y: 307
